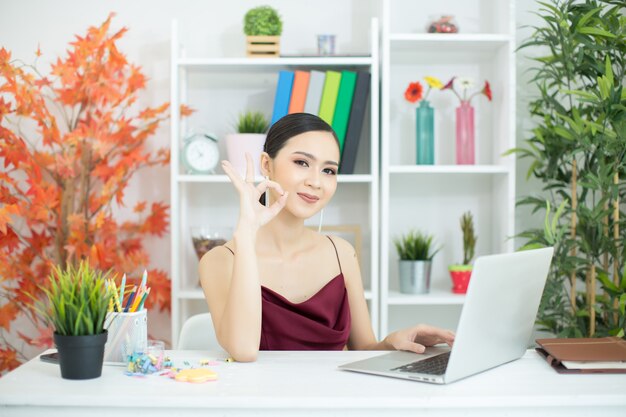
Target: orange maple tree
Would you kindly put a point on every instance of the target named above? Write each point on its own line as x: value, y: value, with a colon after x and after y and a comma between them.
x: 69, y: 143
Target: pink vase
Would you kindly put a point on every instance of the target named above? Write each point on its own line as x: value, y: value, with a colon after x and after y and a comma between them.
x: 465, y: 134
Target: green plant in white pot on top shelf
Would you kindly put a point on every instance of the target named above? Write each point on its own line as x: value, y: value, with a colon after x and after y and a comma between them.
x: 251, y: 130
x: 416, y: 253
x: 461, y: 273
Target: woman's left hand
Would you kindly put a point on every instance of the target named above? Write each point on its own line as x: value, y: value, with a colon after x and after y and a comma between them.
x: 416, y: 338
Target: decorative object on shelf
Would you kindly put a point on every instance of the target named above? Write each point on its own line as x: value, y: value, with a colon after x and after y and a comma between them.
x: 576, y: 151
x: 326, y: 45
x: 206, y: 238
x: 250, y: 137
x: 262, y: 26
x: 444, y: 24
x: 424, y: 120
x: 92, y: 138
x: 465, y: 129
x: 77, y: 300
x: 461, y: 273
x: 416, y: 255
x: 200, y: 153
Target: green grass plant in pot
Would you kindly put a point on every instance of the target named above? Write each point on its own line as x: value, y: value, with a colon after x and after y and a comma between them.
x: 76, y: 303
x: 416, y: 253
x: 251, y: 130
x: 461, y: 273
x: 262, y: 26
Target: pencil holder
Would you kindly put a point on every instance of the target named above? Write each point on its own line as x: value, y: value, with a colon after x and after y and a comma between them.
x: 128, y: 333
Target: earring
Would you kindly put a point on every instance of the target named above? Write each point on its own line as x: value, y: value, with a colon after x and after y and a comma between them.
x: 267, y: 194
x: 319, y: 227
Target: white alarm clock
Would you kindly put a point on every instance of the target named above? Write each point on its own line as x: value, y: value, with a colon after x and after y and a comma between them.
x: 200, y: 153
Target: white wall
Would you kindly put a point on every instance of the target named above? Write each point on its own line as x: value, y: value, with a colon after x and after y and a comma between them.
x: 210, y: 28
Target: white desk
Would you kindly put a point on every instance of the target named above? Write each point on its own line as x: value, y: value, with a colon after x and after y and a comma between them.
x: 308, y: 383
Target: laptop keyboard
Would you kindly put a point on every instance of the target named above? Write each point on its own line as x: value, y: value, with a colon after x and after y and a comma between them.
x: 435, y: 365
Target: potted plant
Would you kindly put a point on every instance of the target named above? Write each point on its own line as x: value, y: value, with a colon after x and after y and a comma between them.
x: 576, y: 150
x: 262, y: 26
x: 416, y: 253
x: 92, y: 139
x: 461, y: 273
x: 76, y: 304
x: 251, y: 130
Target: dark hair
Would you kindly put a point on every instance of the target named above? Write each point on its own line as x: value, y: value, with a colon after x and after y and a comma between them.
x: 292, y: 125
x: 289, y: 126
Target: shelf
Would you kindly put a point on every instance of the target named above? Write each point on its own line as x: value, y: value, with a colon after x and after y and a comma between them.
x: 197, y: 294
x: 257, y: 64
x: 461, y: 46
x: 449, y: 169
x: 436, y: 296
x: 468, y: 39
x: 224, y: 179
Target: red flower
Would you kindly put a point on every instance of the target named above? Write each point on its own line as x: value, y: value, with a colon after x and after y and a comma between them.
x: 449, y: 84
x: 414, y: 92
x: 487, y: 90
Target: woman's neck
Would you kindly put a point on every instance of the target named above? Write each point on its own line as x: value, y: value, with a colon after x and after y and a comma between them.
x: 284, y: 236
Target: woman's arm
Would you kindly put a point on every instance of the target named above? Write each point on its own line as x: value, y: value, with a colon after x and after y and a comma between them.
x: 362, y: 337
x: 231, y: 284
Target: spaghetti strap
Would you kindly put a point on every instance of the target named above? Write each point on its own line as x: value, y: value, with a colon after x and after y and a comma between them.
x: 231, y: 251
x: 336, y: 253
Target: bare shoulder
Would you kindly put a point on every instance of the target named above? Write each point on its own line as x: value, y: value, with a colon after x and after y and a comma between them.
x: 217, y: 262
x: 344, y: 248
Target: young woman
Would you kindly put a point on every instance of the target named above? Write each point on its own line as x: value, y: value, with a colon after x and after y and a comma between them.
x: 278, y: 285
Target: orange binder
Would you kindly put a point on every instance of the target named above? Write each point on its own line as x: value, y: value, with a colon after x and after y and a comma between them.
x: 298, y: 92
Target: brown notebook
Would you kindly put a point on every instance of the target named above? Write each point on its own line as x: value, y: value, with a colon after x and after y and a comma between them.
x: 584, y: 355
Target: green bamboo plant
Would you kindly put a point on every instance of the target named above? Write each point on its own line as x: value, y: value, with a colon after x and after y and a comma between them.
x: 416, y: 246
x: 76, y: 301
x: 577, y: 151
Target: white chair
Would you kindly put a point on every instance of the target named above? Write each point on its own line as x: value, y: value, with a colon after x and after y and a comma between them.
x: 198, y: 334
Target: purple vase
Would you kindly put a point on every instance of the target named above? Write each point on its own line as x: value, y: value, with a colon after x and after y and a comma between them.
x: 465, y: 134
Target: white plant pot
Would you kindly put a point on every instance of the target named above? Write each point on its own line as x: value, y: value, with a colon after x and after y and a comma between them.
x: 237, y: 144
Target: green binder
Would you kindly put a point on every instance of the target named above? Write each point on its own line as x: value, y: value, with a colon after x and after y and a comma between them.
x: 329, y: 96
x: 343, y: 106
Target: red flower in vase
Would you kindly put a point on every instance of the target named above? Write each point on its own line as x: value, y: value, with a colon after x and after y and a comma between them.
x: 414, y: 92
x: 487, y: 90
x: 465, y: 85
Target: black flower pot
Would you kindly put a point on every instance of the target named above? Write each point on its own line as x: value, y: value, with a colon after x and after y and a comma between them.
x: 81, y: 357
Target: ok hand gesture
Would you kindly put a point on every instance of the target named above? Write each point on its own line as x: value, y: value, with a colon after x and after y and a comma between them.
x: 251, y: 212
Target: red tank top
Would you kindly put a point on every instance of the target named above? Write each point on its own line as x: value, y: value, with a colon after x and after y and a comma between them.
x: 322, y: 322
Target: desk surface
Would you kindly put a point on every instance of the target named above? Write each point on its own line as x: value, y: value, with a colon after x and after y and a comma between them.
x: 307, y: 383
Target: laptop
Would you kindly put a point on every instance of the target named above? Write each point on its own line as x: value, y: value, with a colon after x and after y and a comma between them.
x: 495, y: 326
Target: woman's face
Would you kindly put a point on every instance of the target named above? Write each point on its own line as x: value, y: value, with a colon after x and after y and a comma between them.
x: 307, y: 168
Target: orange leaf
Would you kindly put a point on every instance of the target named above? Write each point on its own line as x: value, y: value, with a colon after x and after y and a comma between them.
x: 160, y: 293
x: 8, y: 359
x: 8, y: 313
x: 5, y: 216
x: 186, y: 110
x: 139, y: 207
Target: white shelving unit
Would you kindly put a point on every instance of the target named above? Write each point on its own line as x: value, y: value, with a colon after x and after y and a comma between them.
x: 220, y: 88
x: 433, y: 198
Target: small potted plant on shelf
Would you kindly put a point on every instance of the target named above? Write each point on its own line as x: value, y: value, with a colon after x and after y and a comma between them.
x: 251, y: 130
x: 75, y: 304
x: 461, y: 273
x: 262, y: 26
x: 416, y: 254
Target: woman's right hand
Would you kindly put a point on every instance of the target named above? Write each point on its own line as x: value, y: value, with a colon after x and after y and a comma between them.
x: 251, y: 211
